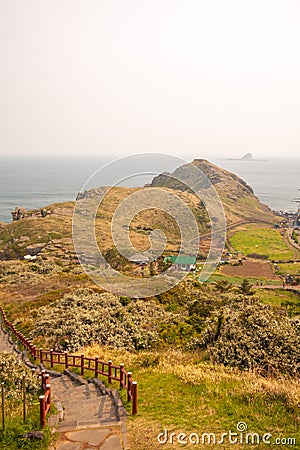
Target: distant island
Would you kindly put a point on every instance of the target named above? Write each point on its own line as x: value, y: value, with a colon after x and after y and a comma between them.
x: 246, y: 157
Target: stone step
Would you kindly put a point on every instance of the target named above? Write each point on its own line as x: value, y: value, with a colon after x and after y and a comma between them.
x: 86, y: 405
x: 72, y: 395
x: 70, y: 425
x: 90, y: 408
x: 69, y: 403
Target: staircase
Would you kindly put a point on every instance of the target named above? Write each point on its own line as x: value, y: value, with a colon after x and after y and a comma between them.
x: 86, y: 405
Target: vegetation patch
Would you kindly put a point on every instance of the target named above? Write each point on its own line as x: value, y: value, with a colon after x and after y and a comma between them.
x: 180, y: 392
x: 250, y: 335
x: 282, y: 300
x: 263, y: 241
x: 12, y: 371
x: 289, y: 268
x: 84, y: 316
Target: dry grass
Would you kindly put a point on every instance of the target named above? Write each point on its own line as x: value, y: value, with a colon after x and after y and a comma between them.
x: 163, y: 374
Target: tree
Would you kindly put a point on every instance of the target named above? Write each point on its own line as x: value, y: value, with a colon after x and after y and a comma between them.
x: 246, y: 287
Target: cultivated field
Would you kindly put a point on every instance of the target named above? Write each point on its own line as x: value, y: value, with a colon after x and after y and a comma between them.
x: 251, y: 268
x: 261, y: 241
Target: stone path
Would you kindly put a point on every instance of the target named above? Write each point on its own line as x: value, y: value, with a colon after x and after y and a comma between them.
x: 88, y: 416
x: 5, y: 345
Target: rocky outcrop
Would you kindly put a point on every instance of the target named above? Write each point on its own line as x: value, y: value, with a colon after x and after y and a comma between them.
x: 22, y: 213
x: 247, y: 157
x: 91, y: 193
x: 19, y: 213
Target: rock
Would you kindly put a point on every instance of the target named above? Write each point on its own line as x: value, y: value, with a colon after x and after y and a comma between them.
x: 19, y: 213
x: 35, y: 249
x: 247, y: 157
x: 34, y: 435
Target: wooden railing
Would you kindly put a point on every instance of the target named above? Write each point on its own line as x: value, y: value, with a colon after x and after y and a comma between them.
x: 106, y: 369
x: 45, y: 399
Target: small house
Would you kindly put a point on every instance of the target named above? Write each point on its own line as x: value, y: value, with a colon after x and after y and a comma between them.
x: 184, y: 263
x: 139, y: 259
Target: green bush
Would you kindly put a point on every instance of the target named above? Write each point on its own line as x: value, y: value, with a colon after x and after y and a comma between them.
x: 12, y: 371
x: 84, y: 317
x: 248, y: 334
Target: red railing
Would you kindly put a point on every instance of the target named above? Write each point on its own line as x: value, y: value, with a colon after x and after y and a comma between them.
x: 45, y: 399
x: 106, y: 369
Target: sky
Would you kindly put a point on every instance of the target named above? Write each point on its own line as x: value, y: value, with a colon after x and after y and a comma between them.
x: 115, y: 77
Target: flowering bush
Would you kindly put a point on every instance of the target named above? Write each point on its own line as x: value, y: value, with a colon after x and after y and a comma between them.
x: 84, y: 317
x: 248, y: 335
x: 12, y: 371
x: 16, y: 272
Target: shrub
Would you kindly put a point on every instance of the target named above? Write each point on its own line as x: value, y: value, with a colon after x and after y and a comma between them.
x: 249, y: 335
x: 84, y: 317
x: 12, y: 371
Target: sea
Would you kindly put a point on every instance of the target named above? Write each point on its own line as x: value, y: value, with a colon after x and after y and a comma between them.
x: 34, y: 182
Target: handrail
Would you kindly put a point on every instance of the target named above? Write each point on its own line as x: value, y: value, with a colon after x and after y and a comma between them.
x: 106, y: 369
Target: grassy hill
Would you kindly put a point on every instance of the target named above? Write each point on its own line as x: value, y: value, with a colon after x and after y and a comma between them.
x: 52, y: 234
x: 205, y: 356
x: 237, y: 196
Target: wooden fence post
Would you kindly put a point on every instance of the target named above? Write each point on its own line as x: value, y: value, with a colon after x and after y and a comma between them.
x: 48, y: 387
x: 129, y: 381
x: 47, y: 379
x: 66, y: 360
x: 134, y: 392
x: 96, y: 366
x: 42, y: 411
x: 109, y: 371
x: 121, y: 375
x: 41, y: 355
x: 24, y: 397
x: 43, y: 379
x: 3, y: 407
x: 51, y: 357
x: 81, y: 364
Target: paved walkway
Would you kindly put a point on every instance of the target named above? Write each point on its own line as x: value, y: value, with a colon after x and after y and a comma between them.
x: 100, y: 439
x: 90, y: 417
x: 5, y: 345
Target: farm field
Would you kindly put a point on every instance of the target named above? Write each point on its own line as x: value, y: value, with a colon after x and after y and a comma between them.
x: 250, y: 268
x: 289, y: 268
x: 264, y: 242
x: 238, y: 279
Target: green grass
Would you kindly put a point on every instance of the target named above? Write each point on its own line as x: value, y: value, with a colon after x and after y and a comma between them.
x: 261, y: 241
x: 289, y: 301
x: 290, y: 268
x: 179, y: 391
x: 184, y: 395
x: 238, y: 280
x: 11, y: 438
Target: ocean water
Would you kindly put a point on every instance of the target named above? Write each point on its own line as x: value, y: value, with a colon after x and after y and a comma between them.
x: 37, y: 182
x: 276, y: 182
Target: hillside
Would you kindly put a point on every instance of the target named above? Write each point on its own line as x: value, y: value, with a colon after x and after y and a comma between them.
x: 49, y: 231
x: 237, y: 196
x: 206, y: 356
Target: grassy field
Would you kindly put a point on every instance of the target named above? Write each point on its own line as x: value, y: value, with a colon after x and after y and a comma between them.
x: 12, y: 439
x: 266, y: 242
x: 181, y: 394
x: 280, y: 298
x: 238, y: 280
x: 290, y: 268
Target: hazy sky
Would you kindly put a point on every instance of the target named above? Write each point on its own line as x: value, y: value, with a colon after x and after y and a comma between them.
x: 187, y: 77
